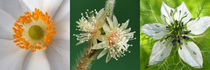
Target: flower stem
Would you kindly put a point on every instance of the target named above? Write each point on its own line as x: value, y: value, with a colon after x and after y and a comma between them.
x: 87, y: 58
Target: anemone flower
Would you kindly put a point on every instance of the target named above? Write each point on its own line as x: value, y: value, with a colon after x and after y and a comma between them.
x: 178, y: 30
x: 35, y: 35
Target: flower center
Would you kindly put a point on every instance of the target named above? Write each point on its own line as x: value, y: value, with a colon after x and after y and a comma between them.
x: 177, y: 31
x: 113, y: 38
x: 34, y: 31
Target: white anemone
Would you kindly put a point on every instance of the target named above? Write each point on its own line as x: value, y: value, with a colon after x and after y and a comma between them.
x: 55, y: 56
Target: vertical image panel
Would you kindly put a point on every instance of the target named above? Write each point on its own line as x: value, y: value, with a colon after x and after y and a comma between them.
x: 174, y: 34
x: 104, y: 35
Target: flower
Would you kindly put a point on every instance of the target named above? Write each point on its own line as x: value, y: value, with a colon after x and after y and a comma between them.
x: 114, y: 41
x: 35, y: 35
x: 178, y: 30
x: 91, y: 25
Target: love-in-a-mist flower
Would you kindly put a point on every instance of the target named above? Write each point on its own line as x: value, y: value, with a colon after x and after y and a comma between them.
x: 91, y: 24
x: 114, y: 42
x: 34, y: 35
x: 178, y: 31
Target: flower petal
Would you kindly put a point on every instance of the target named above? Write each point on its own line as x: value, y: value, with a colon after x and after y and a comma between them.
x: 6, y: 25
x: 36, y: 61
x: 106, y: 28
x: 13, y: 7
x: 155, y: 30
x: 166, y: 13
x: 110, y: 23
x: 12, y: 57
x: 108, y: 57
x: 100, y: 14
x: 199, y: 25
x: 99, y: 45
x: 62, y: 21
x: 59, y: 55
x: 160, y: 51
x: 191, y: 54
x: 115, y: 22
x: 181, y: 12
x: 49, y: 6
x: 124, y: 25
x: 102, y: 53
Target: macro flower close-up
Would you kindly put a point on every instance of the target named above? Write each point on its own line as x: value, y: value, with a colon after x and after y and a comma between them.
x: 101, y: 38
x: 114, y: 42
x: 90, y: 26
x: 177, y: 33
x: 35, y: 35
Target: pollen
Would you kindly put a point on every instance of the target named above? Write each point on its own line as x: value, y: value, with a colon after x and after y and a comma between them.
x: 34, y: 31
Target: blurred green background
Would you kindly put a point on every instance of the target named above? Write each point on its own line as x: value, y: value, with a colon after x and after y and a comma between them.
x: 124, y: 9
x: 150, y: 13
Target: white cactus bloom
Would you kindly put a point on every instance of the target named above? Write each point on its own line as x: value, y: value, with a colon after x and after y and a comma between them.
x: 114, y: 41
x: 178, y: 30
x: 90, y: 26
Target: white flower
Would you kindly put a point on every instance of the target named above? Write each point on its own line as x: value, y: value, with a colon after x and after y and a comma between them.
x: 178, y: 30
x: 114, y: 42
x: 90, y: 25
x: 38, y: 40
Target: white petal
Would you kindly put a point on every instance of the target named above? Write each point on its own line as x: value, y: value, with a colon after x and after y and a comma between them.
x: 181, y: 12
x: 49, y: 6
x: 155, y: 30
x: 36, y: 61
x: 99, y: 45
x: 110, y: 22
x: 100, y: 14
x: 102, y: 53
x: 59, y: 55
x: 108, y: 57
x: 166, y: 11
x: 6, y: 25
x: 62, y: 21
x: 191, y: 54
x: 13, y: 7
x: 160, y: 51
x: 124, y: 25
x: 101, y: 38
x: 115, y: 22
x: 12, y: 57
x: 199, y: 25
x: 106, y: 28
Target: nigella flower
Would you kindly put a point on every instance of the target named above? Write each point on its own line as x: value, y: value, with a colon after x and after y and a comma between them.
x: 91, y: 24
x: 178, y: 31
x: 37, y: 39
x: 114, y: 41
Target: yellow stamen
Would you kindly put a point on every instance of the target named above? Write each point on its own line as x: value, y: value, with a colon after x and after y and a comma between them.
x: 22, y: 31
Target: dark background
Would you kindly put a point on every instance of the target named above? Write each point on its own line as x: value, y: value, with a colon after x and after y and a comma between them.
x: 124, y: 9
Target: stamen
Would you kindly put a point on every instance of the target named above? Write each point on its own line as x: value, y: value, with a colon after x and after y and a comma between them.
x: 186, y: 38
x: 34, y: 31
x: 113, y: 38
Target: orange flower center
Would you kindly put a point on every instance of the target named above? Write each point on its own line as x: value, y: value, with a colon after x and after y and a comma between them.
x: 34, y: 31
